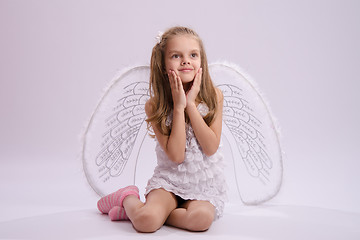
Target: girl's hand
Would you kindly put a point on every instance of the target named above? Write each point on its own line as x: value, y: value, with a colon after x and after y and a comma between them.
x: 177, y: 91
x: 195, y: 89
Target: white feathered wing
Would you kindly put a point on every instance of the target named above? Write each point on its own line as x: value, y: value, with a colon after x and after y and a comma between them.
x: 116, y: 130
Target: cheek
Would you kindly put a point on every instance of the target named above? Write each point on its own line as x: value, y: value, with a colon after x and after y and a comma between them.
x: 169, y: 65
x: 197, y: 65
x: 166, y: 65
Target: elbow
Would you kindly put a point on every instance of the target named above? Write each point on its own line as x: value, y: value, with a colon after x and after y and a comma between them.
x: 209, y: 153
x: 211, y: 150
x: 176, y: 155
x: 178, y: 158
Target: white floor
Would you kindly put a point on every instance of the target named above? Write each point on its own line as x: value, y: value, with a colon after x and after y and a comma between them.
x: 53, y: 201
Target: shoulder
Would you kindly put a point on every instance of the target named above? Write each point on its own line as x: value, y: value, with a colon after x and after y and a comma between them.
x: 149, y: 107
x: 219, y: 95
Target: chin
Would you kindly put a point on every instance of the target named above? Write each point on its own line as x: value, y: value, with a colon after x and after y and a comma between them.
x: 184, y: 81
x: 186, y: 78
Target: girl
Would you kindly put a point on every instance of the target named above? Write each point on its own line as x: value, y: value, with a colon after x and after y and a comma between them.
x: 187, y: 189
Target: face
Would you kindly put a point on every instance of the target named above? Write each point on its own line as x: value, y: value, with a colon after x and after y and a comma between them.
x: 182, y: 55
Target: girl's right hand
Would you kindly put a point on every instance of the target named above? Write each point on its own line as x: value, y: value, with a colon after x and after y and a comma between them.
x: 177, y: 90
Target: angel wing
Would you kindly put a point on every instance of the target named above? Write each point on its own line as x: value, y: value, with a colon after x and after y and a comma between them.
x: 249, y: 128
x: 116, y: 131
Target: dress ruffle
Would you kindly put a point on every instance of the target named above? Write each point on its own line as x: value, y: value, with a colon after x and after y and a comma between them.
x: 199, y: 177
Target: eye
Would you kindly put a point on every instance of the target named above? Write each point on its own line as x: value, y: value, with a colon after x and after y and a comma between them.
x: 194, y: 55
x: 175, y: 56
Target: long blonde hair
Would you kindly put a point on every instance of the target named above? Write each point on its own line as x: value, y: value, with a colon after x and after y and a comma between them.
x: 160, y: 92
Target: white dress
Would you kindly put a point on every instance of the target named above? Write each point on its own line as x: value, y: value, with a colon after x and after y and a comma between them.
x: 199, y: 177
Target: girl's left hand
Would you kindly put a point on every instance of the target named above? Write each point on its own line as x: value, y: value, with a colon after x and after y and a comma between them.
x: 195, y: 89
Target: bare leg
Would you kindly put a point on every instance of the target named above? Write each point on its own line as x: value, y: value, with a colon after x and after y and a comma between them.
x: 151, y: 215
x: 194, y: 215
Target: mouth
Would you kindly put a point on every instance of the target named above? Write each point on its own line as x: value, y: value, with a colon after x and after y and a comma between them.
x: 186, y: 70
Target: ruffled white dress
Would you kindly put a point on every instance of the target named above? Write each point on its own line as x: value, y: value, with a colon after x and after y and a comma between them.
x: 199, y: 177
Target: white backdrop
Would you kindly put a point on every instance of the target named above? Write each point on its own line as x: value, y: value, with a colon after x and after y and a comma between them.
x: 56, y: 57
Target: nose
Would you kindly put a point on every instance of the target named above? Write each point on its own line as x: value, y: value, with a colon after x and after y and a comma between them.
x: 185, y: 61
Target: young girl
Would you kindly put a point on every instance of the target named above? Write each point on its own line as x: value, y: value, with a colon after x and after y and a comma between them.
x: 188, y: 187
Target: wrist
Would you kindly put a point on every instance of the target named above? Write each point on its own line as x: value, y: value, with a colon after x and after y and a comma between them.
x: 190, y: 105
x: 179, y: 109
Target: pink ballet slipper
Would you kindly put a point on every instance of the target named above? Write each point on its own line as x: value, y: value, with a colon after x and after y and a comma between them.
x: 105, y: 204
x: 118, y: 214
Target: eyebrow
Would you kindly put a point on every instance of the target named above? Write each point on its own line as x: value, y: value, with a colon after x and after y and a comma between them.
x: 177, y: 51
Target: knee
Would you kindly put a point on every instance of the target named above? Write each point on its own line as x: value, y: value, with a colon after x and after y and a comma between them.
x: 147, y: 221
x: 200, y: 219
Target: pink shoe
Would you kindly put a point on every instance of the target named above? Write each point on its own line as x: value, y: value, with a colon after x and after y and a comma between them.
x: 117, y: 214
x: 105, y: 204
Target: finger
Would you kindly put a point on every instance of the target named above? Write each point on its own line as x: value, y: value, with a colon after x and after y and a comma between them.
x: 175, y: 80
x: 198, y: 76
x: 179, y: 83
x: 169, y: 76
x: 171, y: 79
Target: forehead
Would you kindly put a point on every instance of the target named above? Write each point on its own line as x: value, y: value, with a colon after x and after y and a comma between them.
x: 182, y: 43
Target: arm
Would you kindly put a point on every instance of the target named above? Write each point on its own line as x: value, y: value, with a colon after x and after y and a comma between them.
x: 207, y: 136
x: 173, y: 145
